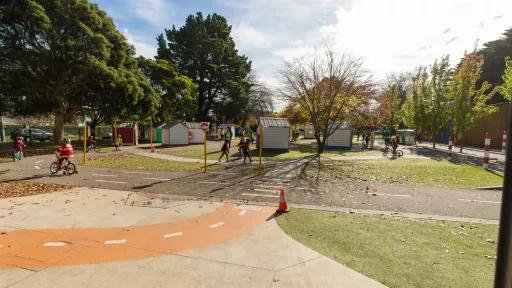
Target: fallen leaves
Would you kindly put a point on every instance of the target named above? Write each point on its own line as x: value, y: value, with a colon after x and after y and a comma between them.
x: 23, y: 188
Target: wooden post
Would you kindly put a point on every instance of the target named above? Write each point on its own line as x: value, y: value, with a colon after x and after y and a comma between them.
x: 205, y: 137
x: 260, y: 146
x: 487, y: 144
x: 85, y: 141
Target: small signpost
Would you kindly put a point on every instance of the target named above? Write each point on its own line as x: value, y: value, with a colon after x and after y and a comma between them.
x: 87, y: 119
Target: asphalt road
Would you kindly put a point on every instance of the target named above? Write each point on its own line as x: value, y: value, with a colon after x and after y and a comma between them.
x: 243, y: 182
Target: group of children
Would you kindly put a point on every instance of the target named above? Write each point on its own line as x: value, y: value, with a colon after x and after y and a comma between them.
x: 243, y: 149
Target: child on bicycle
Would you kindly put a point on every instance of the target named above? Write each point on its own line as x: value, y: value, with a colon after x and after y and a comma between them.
x: 18, y: 148
x: 394, y: 145
x: 65, y: 151
x: 91, y: 142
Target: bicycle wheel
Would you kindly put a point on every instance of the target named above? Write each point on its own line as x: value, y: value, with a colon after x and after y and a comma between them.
x: 70, y: 168
x: 97, y: 149
x: 385, y: 152
x: 399, y: 153
x: 54, y: 167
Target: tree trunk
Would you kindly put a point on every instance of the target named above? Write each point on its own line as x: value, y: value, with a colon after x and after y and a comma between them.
x: 92, y: 128
x: 2, y: 135
x: 460, y: 143
x: 320, y: 148
x: 434, y: 140
x: 58, y: 130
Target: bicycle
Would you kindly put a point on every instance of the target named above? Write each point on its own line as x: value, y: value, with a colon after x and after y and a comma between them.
x: 68, y: 166
x: 389, y: 150
x: 94, y: 148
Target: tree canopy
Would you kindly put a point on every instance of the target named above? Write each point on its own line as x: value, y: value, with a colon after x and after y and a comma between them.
x: 67, y: 57
x: 203, y: 50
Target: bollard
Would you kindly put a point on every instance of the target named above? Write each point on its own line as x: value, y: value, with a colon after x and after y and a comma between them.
x: 450, y: 148
x: 504, y: 143
x: 486, y: 150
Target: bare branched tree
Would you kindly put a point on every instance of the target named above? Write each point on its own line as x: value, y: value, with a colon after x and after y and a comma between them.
x: 330, y: 87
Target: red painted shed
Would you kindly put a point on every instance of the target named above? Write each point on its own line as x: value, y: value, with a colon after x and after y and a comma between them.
x: 129, y: 132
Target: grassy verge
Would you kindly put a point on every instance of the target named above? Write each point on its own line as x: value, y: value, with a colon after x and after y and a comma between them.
x: 400, y: 252
x: 132, y: 161
x: 411, y: 171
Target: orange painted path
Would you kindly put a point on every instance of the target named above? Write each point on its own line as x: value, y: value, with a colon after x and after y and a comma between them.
x: 60, y: 247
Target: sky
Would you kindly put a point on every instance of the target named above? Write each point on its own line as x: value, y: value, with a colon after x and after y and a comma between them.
x: 389, y: 35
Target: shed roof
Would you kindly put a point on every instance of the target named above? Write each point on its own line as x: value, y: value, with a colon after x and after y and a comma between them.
x: 195, y: 125
x: 127, y: 125
x: 170, y: 125
x: 274, y: 122
x: 341, y: 126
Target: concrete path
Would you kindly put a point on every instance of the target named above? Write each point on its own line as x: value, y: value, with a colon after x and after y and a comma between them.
x: 258, y: 256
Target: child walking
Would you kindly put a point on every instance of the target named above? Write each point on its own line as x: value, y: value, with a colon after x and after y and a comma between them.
x: 18, y: 148
x: 245, y: 151
x: 224, y: 151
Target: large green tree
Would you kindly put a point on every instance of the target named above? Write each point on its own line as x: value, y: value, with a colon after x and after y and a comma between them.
x: 414, y: 109
x: 203, y: 50
x: 494, y: 53
x: 468, y: 98
x: 67, y: 58
x: 177, y: 91
x: 505, y: 88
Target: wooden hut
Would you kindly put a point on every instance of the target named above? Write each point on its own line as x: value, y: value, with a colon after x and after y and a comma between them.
x: 276, y: 133
x: 175, y: 134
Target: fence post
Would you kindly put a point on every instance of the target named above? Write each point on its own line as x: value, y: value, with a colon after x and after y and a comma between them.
x: 504, y: 143
x: 486, y: 150
x: 450, y: 147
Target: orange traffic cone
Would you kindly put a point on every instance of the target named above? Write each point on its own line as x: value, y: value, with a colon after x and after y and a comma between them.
x: 283, y: 207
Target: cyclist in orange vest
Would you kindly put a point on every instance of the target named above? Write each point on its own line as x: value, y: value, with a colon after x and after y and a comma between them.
x: 65, y: 151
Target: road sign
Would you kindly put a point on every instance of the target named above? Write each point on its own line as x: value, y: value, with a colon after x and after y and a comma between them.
x: 204, y: 126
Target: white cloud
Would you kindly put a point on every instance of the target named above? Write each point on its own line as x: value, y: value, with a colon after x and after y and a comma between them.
x: 145, y: 49
x: 390, y: 35
x: 156, y: 12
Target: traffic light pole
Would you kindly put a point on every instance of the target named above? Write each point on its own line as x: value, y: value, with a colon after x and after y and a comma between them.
x: 503, y: 277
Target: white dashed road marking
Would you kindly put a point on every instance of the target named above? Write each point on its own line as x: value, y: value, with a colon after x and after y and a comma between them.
x: 213, y: 182
x: 37, y: 162
x: 479, y: 201
x: 37, y: 167
x: 108, y: 181
x: 104, y: 175
x: 242, y: 213
x: 265, y: 190
x: 130, y: 172
x: 173, y: 235
x: 216, y: 225
x: 260, y: 195
x: 158, y: 179
x: 268, y: 186
x: 392, y: 195
x: 54, y: 244
x: 110, y: 242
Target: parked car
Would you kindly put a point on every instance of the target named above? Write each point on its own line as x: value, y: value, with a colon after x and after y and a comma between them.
x: 36, y: 134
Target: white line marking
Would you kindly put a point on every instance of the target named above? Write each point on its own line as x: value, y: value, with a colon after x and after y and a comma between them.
x: 158, y: 179
x: 103, y: 175
x: 392, y: 195
x: 268, y: 186
x: 248, y: 207
x: 216, y: 225
x: 54, y: 244
x: 480, y: 201
x: 223, y: 173
x: 109, y: 242
x: 242, y: 213
x: 108, y: 181
x: 130, y: 172
x: 304, y: 188
x: 37, y: 167
x: 173, y: 234
x: 213, y: 182
x: 265, y: 190
x: 37, y: 162
x: 260, y: 195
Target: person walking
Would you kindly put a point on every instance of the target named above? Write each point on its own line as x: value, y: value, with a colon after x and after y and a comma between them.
x: 245, y: 151
x: 394, y: 145
x: 18, y: 146
x: 224, y: 151
x: 229, y: 136
x: 119, y: 142
x: 240, y: 146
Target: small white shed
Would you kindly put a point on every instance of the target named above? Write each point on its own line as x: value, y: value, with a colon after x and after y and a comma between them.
x: 276, y: 133
x: 341, y: 138
x: 406, y: 136
x: 196, y: 134
x: 309, y: 131
x: 175, y: 134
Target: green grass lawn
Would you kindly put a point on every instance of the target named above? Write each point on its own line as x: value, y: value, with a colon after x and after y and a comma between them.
x: 438, y: 173
x: 195, y: 153
x: 397, y: 252
x: 132, y: 161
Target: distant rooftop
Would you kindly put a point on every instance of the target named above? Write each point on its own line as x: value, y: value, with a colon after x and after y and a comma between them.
x: 274, y: 122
